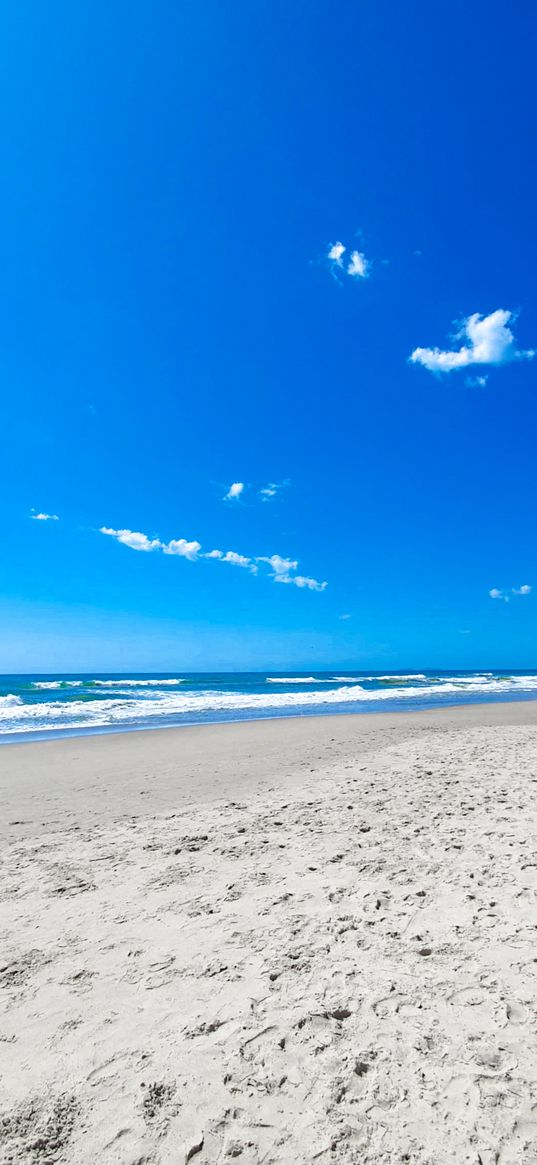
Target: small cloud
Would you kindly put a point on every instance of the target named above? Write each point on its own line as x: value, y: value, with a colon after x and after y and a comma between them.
x: 279, y: 565
x: 489, y: 341
x: 234, y: 492
x: 497, y: 594
x: 358, y: 266
x: 41, y: 517
x: 132, y: 538
x: 336, y: 253
x: 345, y: 616
x: 233, y: 559
x: 476, y: 381
x: 281, y: 573
x: 523, y: 590
x: 271, y: 490
x: 182, y: 548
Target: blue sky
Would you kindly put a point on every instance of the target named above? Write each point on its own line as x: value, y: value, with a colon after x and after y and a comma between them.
x: 174, y: 178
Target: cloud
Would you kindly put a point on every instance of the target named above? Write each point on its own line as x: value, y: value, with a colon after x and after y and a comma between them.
x: 336, y: 253
x: 299, y: 580
x: 281, y: 570
x: 358, y: 266
x: 281, y: 573
x: 44, y: 517
x: 272, y: 489
x: 279, y: 565
x: 345, y: 616
x: 234, y: 492
x: 489, y: 341
x: 476, y: 381
x: 496, y: 593
x: 182, y: 548
x: 132, y: 539
x: 233, y: 559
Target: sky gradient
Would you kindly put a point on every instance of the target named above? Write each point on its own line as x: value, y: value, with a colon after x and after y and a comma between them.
x: 175, y: 180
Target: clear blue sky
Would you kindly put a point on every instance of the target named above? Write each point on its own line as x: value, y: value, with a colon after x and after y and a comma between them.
x: 173, y: 178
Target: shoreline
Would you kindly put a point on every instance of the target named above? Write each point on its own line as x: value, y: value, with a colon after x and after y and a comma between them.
x: 41, y: 736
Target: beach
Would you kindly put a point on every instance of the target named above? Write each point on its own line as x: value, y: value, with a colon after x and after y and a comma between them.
x: 299, y: 940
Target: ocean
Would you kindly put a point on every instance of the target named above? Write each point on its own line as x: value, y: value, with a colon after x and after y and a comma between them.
x: 41, y: 706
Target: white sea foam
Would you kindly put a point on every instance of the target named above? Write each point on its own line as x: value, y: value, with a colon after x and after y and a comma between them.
x: 57, y: 684
x: 371, y: 679
x: 18, y: 717
x: 297, y: 680
x: 134, y: 683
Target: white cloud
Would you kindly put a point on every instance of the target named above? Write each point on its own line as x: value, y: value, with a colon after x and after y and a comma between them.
x: 132, y: 539
x: 358, y: 266
x: 299, y: 580
x: 336, y: 253
x: 281, y: 570
x: 345, y: 616
x: 489, y: 341
x: 279, y: 565
x: 234, y: 492
x: 476, y: 381
x: 233, y: 559
x: 281, y: 573
x: 497, y: 594
x: 272, y: 489
x: 45, y: 517
x: 182, y: 548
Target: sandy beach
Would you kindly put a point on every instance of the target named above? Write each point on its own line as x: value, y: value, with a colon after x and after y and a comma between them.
x: 286, y: 941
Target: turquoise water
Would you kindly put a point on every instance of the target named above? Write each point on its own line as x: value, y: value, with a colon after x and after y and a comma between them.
x: 40, y: 706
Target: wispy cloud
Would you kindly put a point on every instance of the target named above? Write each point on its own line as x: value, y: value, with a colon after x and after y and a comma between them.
x: 489, y: 340
x: 132, y: 539
x: 234, y: 559
x: 272, y: 490
x: 282, y: 570
x: 496, y: 593
x: 357, y: 266
x: 476, y: 381
x: 234, y: 492
x: 41, y: 517
x: 345, y: 616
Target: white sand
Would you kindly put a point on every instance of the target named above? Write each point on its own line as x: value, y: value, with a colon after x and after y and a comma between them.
x: 293, y: 941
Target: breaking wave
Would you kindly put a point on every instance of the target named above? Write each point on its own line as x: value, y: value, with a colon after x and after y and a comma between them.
x: 152, y: 707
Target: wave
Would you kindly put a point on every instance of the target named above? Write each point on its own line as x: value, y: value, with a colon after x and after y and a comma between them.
x: 133, y: 683
x: 297, y: 680
x: 10, y: 701
x: 378, y: 679
x: 16, y: 716
x: 57, y: 684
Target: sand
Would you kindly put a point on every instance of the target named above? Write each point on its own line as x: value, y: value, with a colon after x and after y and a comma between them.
x: 290, y: 941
